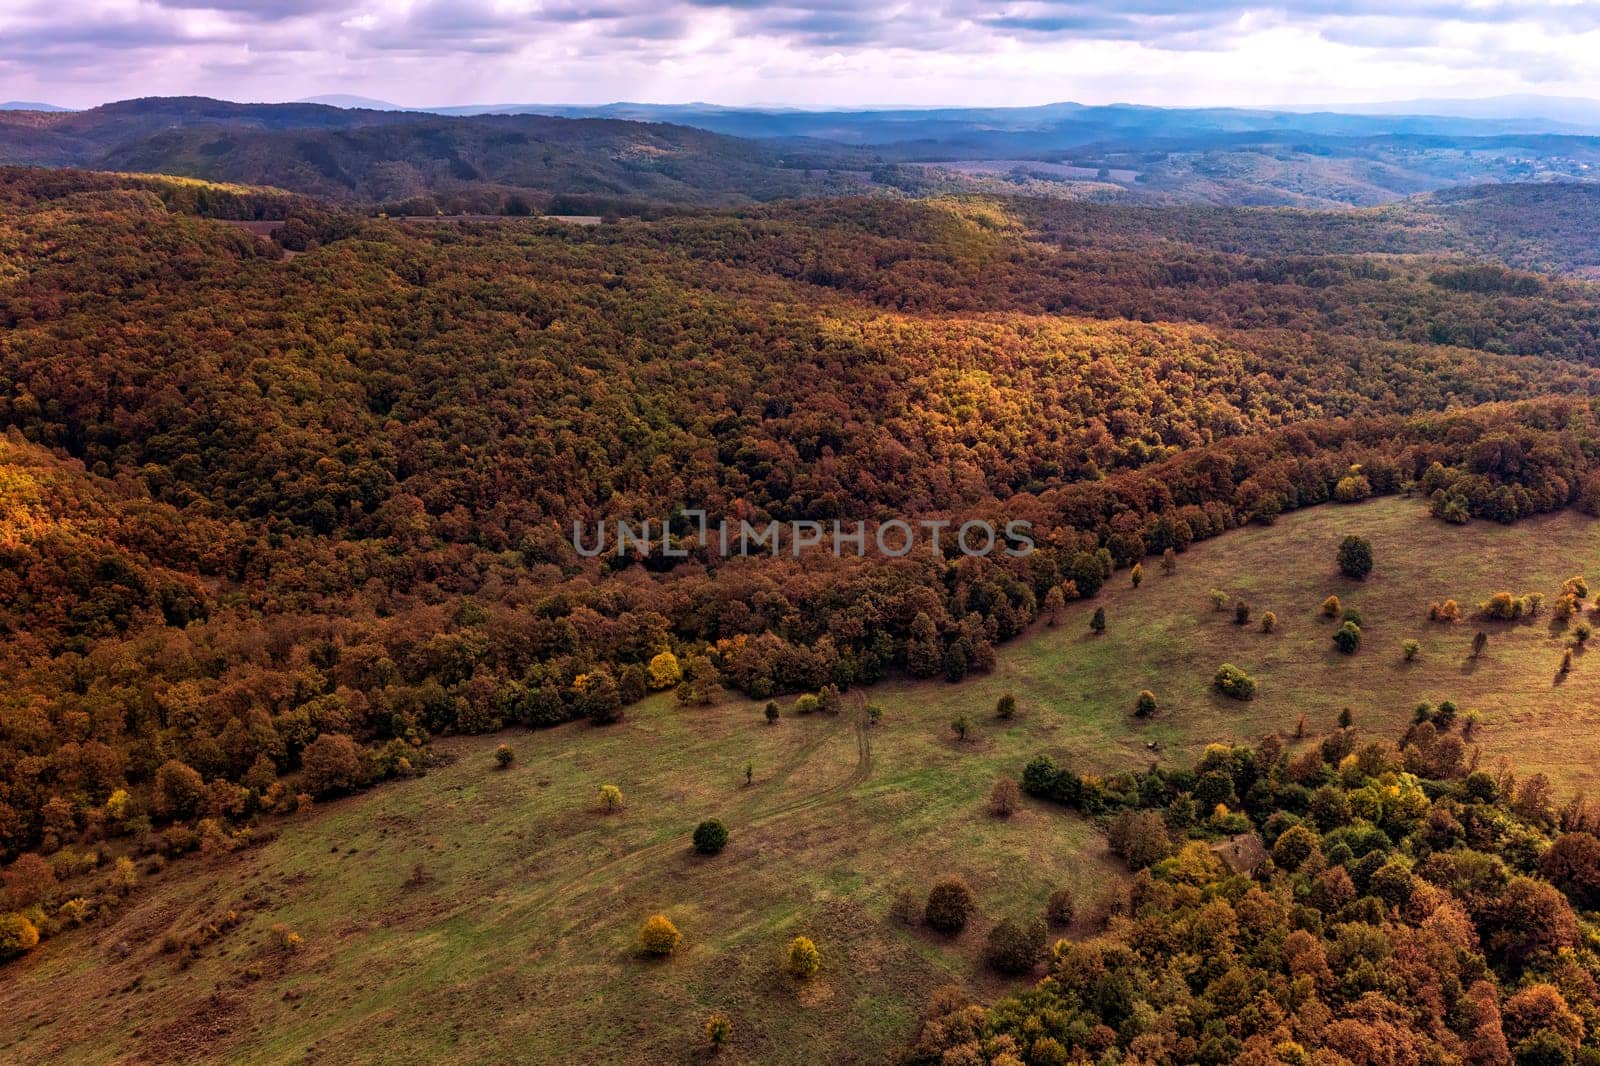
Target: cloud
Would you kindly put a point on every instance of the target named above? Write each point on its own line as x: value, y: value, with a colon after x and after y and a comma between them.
x: 461, y: 51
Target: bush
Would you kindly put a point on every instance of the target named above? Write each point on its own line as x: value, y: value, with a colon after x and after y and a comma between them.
x: 719, y: 1030
x: 1015, y: 946
x: 771, y: 712
x: 17, y: 936
x: 504, y: 756
x: 1347, y: 637
x: 659, y: 936
x: 807, y: 704
x: 950, y: 905
x: 1219, y: 599
x: 710, y: 836
x: 1145, y: 705
x: 1234, y: 682
x: 960, y: 725
x: 1480, y: 641
x: 1004, y: 797
x: 1330, y: 607
x: 1448, y: 611
x: 1355, y: 557
x: 610, y: 798
x: 1241, y: 613
x: 1059, y: 908
x: 1410, y: 649
x: 1006, y: 706
x: 332, y: 763
x: 1269, y: 622
x: 1097, y: 623
x: 804, y: 959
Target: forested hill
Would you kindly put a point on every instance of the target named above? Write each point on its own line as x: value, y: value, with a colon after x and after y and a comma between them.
x: 420, y: 163
x: 471, y: 163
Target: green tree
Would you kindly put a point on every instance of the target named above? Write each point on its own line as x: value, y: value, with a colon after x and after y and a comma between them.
x: 1355, y: 557
x: 710, y: 836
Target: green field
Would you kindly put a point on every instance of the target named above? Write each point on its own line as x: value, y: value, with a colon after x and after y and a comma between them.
x: 516, y: 943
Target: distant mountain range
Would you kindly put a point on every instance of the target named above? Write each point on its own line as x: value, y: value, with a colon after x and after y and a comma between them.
x: 471, y: 158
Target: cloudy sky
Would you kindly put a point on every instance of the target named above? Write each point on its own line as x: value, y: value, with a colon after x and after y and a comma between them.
x: 801, y: 52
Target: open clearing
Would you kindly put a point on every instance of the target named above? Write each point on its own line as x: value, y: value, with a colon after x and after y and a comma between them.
x: 516, y: 942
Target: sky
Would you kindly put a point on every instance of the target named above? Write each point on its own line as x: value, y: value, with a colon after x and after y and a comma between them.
x: 806, y: 53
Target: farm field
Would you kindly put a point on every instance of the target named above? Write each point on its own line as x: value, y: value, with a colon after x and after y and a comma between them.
x: 475, y: 914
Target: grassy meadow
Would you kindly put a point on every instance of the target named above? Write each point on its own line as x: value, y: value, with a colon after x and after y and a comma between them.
x: 476, y: 914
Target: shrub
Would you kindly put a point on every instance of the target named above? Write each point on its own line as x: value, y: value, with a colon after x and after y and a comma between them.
x: 1097, y: 623
x: 959, y: 725
x: 1015, y: 945
x: 1330, y: 607
x: 804, y: 959
x: 710, y: 836
x: 1269, y: 622
x: 807, y: 704
x: 1241, y: 613
x: 1480, y: 641
x: 1169, y: 562
x: 1004, y: 797
x: 1136, y: 575
x: 332, y: 763
x: 659, y: 936
x: 610, y: 798
x: 1145, y: 705
x: 17, y: 936
x: 771, y: 712
x: 1219, y: 599
x: 1006, y: 706
x: 504, y: 756
x: 950, y: 905
x: 1058, y: 909
x: 1581, y: 633
x: 1448, y: 611
x: 828, y: 699
x: 719, y: 1030
x: 1347, y: 637
x: 1234, y: 682
x: 1566, y: 661
x: 1355, y: 557
x: 1409, y: 649
x: 874, y: 714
